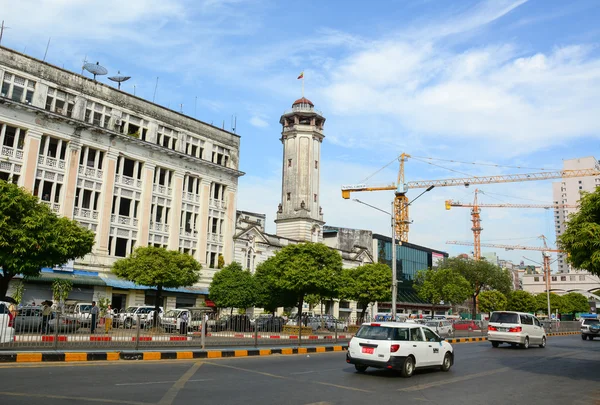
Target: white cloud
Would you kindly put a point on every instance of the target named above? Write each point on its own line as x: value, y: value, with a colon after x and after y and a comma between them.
x: 259, y: 122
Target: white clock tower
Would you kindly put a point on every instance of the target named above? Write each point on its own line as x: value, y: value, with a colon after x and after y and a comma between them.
x: 299, y: 216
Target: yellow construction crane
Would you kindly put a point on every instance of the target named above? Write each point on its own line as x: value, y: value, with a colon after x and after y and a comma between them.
x: 545, y: 253
x: 476, y: 217
x: 401, y: 187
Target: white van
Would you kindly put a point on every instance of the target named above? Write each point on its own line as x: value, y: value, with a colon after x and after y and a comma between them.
x: 515, y: 328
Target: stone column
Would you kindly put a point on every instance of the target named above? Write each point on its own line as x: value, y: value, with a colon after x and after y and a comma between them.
x: 228, y: 245
x: 203, y: 227
x: 30, y: 157
x: 70, y: 186
x: 175, y: 219
x: 108, y: 189
x: 146, y: 204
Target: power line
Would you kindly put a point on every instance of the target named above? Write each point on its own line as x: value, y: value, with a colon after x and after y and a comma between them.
x: 445, y: 168
x: 482, y: 164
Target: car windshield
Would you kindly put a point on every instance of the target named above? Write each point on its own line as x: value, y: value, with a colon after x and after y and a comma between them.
x: 131, y: 309
x: 434, y: 324
x: 172, y: 314
x: 382, y: 333
x: 504, y: 317
x: 85, y: 308
x: 592, y: 321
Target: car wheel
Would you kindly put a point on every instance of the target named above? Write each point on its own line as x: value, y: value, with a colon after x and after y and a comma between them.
x: 543, y: 344
x: 526, y: 344
x: 408, y: 368
x: 583, y: 337
x: 447, y: 363
x: 360, y: 368
x: 495, y: 344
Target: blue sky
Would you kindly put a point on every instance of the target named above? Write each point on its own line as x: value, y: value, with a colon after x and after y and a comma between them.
x: 514, y: 83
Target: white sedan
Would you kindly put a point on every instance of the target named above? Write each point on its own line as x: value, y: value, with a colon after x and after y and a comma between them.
x: 399, y: 346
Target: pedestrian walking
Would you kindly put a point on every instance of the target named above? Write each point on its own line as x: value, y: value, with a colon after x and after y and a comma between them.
x: 183, y: 323
x: 94, y: 311
x: 46, y: 315
x: 108, y: 319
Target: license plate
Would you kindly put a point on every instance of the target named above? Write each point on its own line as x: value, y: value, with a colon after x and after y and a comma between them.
x: 502, y: 329
x: 368, y: 350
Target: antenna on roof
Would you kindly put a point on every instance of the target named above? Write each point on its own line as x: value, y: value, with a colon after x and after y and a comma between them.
x: 46, y: 53
x: 2, y: 28
x: 223, y: 127
x: 119, y: 79
x: 155, y: 87
x: 84, y: 62
x: 233, y: 123
x: 95, y: 69
x: 181, y: 108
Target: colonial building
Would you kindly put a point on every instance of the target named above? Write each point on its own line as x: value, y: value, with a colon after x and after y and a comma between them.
x: 135, y: 173
x: 299, y: 216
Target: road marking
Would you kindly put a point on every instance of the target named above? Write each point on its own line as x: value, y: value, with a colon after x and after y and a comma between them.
x: 315, y: 371
x: 320, y: 403
x: 454, y: 380
x: 163, y: 382
x: 170, y: 396
x: 76, y: 399
x: 340, y: 386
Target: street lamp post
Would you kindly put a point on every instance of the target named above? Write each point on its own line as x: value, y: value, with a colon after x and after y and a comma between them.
x: 393, y: 223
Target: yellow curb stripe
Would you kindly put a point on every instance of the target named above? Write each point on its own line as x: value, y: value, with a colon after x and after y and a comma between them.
x: 75, y: 356
x: 265, y: 352
x: 302, y: 350
x: 29, y: 357
x: 151, y: 356
x: 320, y: 349
x: 338, y: 348
x: 213, y: 354
x: 241, y: 353
x: 112, y: 356
x: 185, y: 355
x: 287, y: 351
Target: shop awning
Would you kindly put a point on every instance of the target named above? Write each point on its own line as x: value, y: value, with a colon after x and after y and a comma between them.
x: 77, y: 277
x: 113, y: 281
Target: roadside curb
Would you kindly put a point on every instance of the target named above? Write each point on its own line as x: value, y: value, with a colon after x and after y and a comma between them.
x: 36, y: 357
x: 563, y: 333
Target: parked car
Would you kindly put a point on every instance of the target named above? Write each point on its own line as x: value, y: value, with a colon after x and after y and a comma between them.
x: 129, y: 317
x: 7, y: 332
x: 515, y: 328
x: 590, y: 328
x: 78, y: 312
x: 384, y: 345
x: 171, y: 320
x: 332, y: 323
x: 269, y: 324
x: 28, y: 319
x: 441, y: 327
x: 64, y: 323
x: 467, y: 324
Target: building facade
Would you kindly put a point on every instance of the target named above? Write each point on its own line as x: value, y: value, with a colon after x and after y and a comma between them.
x: 135, y: 173
x: 568, y: 191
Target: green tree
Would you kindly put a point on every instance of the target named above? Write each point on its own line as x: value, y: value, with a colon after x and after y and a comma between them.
x: 306, y: 268
x: 491, y: 300
x: 32, y: 236
x: 521, y: 301
x: 61, y: 289
x: 269, y: 295
x: 232, y: 287
x: 158, y: 267
x: 366, y: 284
x: 481, y: 275
x: 556, y: 303
x: 581, y: 239
x: 574, y: 302
x: 442, y: 284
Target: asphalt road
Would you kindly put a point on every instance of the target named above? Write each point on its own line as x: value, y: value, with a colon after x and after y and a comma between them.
x: 566, y: 372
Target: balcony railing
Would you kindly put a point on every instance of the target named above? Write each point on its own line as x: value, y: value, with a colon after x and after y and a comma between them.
x: 157, y: 188
x: 219, y: 204
x: 85, y: 213
x: 214, y: 237
x: 160, y: 227
x: 123, y: 220
x: 191, y: 197
x: 90, y: 172
x: 128, y: 181
x: 53, y: 206
x: 188, y: 234
x: 51, y: 162
x: 7, y: 151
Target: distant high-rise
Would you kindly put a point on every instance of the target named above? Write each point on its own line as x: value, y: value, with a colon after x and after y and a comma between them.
x: 568, y: 192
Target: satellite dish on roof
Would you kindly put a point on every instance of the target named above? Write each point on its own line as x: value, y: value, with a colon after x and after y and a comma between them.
x: 95, y: 69
x: 119, y: 79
